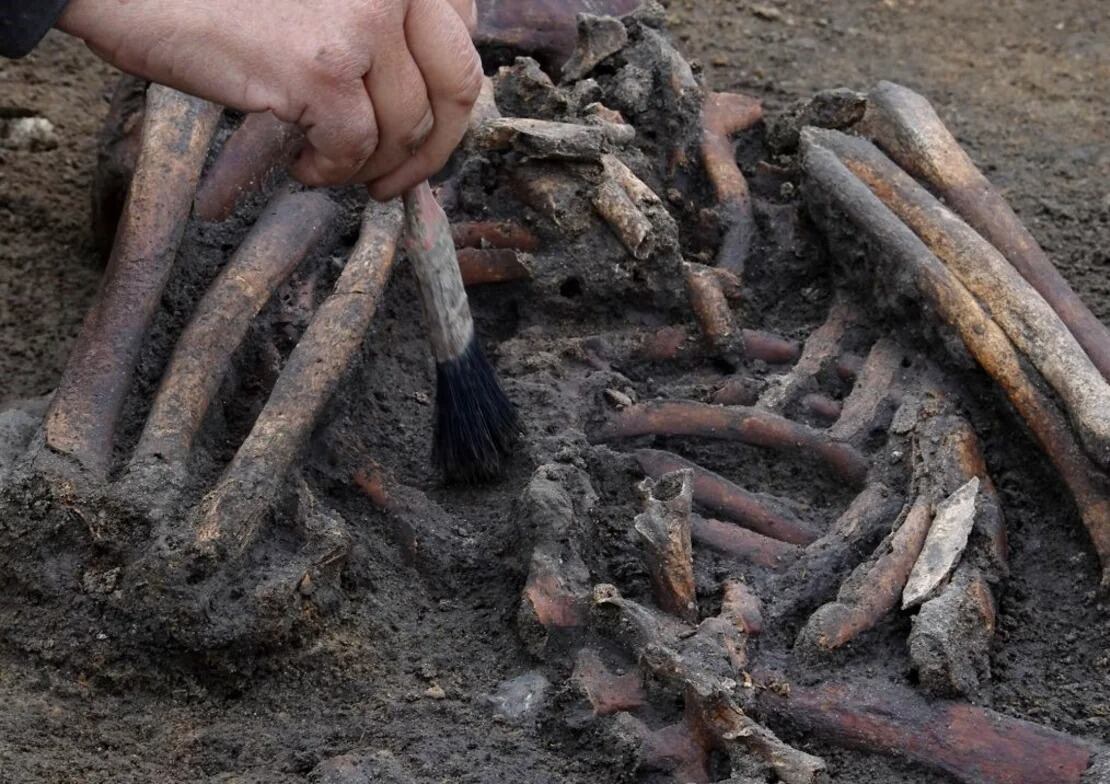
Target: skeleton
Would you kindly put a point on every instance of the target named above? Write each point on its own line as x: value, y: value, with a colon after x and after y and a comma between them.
x: 163, y: 539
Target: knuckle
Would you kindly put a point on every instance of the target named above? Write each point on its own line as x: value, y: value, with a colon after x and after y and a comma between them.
x: 469, y: 84
x: 419, y: 132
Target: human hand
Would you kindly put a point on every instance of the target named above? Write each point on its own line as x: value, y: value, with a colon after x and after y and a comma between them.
x: 382, y: 88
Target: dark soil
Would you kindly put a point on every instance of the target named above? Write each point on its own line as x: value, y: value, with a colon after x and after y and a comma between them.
x: 401, y: 676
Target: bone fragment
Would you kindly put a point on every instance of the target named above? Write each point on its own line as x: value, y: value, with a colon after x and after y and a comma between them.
x: 549, y: 139
x: 943, y: 546
x: 763, y: 514
x: 664, y: 529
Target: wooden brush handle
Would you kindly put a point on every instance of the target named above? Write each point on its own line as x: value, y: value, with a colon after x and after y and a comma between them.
x: 432, y: 251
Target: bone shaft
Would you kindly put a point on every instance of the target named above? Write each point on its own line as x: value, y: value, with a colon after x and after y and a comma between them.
x: 235, y: 509
x: 82, y: 418
x: 1028, y: 321
x: 975, y: 745
x: 831, y: 182
x: 286, y: 231
x: 494, y: 234
x: 741, y: 544
x: 714, y: 492
x: 737, y: 423
x: 907, y: 127
x: 874, y: 588
x: 256, y: 148
x: 664, y: 529
x: 491, y: 265
x: 723, y: 115
x: 711, y: 309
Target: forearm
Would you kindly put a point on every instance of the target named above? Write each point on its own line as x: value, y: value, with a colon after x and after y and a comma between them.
x: 23, y: 23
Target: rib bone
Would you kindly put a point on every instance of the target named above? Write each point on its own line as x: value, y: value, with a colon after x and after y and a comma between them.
x: 81, y: 422
x: 286, y: 231
x: 1028, y: 321
x: 917, y: 273
x: 906, y: 127
x: 232, y: 514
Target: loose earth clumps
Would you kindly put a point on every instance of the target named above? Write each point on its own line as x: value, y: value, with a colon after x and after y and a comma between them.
x: 721, y: 531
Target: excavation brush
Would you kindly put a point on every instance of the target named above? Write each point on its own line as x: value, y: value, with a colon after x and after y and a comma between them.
x: 475, y: 424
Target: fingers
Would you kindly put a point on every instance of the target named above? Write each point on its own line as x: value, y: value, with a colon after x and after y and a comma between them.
x: 405, y: 116
x: 468, y: 12
x: 440, y: 45
x: 340, y: 137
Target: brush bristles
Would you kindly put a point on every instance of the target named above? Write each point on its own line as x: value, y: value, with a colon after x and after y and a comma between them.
x: 476, y: 426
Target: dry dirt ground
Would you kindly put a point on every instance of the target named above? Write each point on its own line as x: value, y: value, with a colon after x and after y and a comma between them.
x: 1022, y: 84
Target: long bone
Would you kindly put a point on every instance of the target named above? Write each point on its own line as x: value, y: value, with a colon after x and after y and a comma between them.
x: 734, y: 423
x: 82, y: 418
x: 909, y: 130
x: 919, y: 274
x: 762, y: 514
x: 233, y: 513
x: 723, y: 115
x: 974, y: 745
x: 261, y: 144
x: 286, y: 231
x: 1028, y: 321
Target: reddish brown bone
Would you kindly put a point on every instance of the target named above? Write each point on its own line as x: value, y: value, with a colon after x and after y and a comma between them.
x: 873, y: 590
x: 830, y: 182
x: 258, y: 147
x: 233, y: 513
x: 1028, y: 321
x: 763, y: 514
x: 821, y: 348
x: 494, y: 234
x: 816, y: 575
x: 492, y: 265
x: 290, y: 226
x: 723, y: 115
x: 81, y: 421
x: 975, y: 745
x: 739, y: 543
x: 873, y: 394
x: 909, y: 130
x: 711, y: 309
x: 736, y: 423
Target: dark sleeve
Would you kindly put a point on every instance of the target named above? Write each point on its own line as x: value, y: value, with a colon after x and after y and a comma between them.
x: 23, y: 23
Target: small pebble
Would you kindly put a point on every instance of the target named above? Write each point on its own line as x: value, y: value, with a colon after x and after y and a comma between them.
x: 617, y: 399
x: 30, y: 134
x: 435, y: 692
x: 767, y: 12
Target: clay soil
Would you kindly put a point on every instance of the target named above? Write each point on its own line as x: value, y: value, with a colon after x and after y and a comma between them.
x: 405, y: 675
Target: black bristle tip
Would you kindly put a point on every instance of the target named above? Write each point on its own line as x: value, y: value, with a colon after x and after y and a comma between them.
x: 476, y: 426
